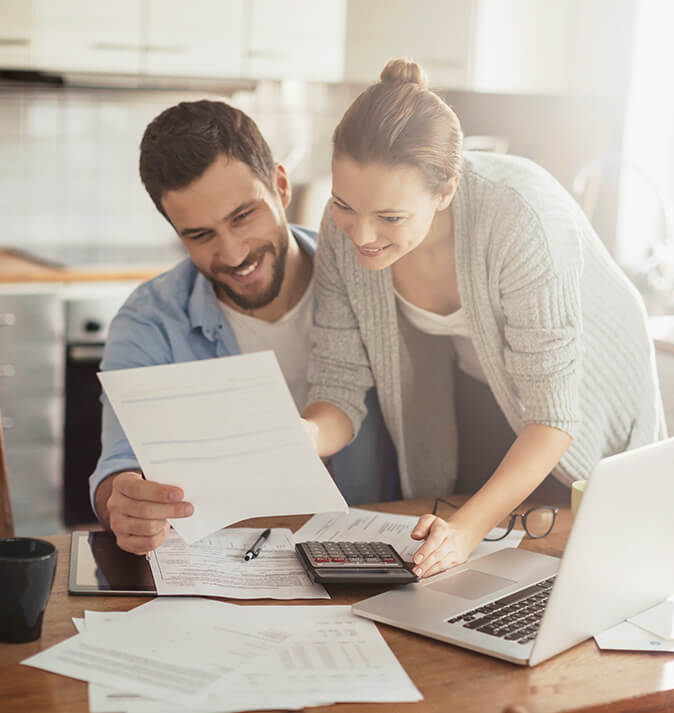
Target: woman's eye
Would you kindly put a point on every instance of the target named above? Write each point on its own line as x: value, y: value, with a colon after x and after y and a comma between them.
x: 391, y: 218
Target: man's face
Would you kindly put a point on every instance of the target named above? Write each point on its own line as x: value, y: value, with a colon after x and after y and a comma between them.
x: 235, y: 231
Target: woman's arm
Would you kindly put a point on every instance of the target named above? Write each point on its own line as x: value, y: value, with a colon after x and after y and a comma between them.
x: 533, y: 455
x: 328, y: 427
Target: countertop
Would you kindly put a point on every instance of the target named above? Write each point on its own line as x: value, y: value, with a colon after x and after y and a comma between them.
x: 17, y: 267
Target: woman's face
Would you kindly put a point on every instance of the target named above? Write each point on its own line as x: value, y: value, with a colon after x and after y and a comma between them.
x: 385, y: 210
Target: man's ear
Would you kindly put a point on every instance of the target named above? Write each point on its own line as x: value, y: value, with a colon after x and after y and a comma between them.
x: 283, y: 185
x: 447, y: 193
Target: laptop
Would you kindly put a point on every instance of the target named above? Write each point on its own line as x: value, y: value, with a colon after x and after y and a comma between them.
x: 525, y: 607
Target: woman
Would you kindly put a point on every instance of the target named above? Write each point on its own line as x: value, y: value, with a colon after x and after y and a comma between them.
x: 429, y: 258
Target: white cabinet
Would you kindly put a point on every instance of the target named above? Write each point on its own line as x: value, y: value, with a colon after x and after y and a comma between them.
x: 522, y: 46
x: 497, y: 46
x: 204, y: 40
x: 86, y: 36
x: 298, y: 39
x: 32, y: 329
x: 436, y: 33
x: 15, y: 30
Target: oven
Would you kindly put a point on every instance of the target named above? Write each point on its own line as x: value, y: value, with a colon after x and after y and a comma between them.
x: 88, y: 316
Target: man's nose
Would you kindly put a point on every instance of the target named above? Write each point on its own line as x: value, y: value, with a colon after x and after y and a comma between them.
x: 232, y: 250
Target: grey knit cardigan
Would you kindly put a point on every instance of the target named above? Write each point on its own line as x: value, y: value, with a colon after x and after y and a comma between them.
x: 559, y: 330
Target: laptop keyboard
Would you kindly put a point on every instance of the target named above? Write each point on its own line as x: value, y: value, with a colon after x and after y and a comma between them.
x: 513, y: 618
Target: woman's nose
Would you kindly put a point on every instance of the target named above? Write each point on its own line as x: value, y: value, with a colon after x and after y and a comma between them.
x: 361, y: 233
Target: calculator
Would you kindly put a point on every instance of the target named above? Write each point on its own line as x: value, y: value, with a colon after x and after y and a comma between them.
x: 353, y: 563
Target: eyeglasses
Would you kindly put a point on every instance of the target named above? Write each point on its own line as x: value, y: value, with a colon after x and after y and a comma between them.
x: 537, y: 521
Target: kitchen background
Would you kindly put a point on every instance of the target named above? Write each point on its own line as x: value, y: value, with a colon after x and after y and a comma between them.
x: 583, y: 88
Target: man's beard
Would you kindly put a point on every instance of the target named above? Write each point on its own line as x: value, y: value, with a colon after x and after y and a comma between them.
x: 278, y: 273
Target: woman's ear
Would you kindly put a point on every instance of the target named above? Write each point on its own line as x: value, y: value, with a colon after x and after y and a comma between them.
x: 447, y: 193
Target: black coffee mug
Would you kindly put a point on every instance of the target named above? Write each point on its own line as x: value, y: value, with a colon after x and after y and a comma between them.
x: 27, y: 568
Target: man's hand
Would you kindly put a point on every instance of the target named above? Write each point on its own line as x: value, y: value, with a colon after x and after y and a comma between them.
x: 137, y: 510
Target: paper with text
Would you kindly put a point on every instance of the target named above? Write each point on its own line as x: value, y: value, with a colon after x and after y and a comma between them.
x: 166, y: 652
x: 214, y: 567
x: 360, y: 525
x: 227, y: 432
x: 338, y: 657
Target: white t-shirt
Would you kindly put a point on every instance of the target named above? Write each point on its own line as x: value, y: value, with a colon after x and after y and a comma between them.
x: 288, y: 338
x: 454, y: 325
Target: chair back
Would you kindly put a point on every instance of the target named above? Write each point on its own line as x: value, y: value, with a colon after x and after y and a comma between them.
x: 6, y: 519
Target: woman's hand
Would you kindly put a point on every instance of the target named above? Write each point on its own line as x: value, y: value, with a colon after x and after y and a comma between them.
x: 446, y: 545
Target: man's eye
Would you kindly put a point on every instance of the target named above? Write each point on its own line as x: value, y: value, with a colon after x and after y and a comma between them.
x: 199, y: 236
x: 242, y: 216
x: 341, y: 206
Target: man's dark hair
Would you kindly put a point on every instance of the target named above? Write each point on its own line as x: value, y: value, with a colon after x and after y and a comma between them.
x: 184, y: 140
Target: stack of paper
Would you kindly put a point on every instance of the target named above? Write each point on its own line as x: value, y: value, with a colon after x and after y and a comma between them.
x: 212, y: 656
x: 651, y: 630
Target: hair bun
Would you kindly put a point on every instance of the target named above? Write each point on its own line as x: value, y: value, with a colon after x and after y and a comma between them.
x: 402, y: 69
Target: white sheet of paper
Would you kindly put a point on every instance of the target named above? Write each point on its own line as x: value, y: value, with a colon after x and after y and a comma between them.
x: 168, y: 651
x: 360, y: 525
x: 659, y: 620
x: 629, y: 637
x: 214, y: 566
x: 338, y: 658
x: 226, y: 431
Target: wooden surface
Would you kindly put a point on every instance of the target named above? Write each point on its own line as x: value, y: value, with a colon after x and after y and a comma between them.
x: 450, y: 678
x: 14, y: 267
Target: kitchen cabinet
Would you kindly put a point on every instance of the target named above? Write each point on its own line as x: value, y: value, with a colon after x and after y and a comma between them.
x: 436, y: 33
x: 15, y: 31
x: 300, y: 39
x: 553, y: 47
x: 237, y: 39
x: 32, y: 330
x: 86, y: 36
x: 207, y: 41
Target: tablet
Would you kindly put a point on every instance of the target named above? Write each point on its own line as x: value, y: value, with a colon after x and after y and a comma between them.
x: 98, y: 566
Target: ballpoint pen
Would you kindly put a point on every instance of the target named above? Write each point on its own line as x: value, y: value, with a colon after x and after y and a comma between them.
x: 254, y: 551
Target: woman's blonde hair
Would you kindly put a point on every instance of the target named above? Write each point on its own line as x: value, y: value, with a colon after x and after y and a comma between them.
x: 399, y: 120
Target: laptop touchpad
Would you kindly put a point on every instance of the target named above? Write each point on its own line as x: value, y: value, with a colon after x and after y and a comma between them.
x: 470, y: 584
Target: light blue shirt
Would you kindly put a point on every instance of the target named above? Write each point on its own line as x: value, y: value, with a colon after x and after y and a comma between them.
x: 175, y: 317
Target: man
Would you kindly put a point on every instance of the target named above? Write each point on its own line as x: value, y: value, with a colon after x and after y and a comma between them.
x: 246, y: 286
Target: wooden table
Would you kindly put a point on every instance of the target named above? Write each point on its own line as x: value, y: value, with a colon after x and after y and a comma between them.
x: 450, y: 678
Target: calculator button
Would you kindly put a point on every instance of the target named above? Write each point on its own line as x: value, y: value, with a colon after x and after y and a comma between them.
x: 338, y: 559
x: 321, y: 559
x: 388, y: 559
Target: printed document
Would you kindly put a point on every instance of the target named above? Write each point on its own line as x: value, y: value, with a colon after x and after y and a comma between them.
x: 214, y: 567
x: 166, y: 650
x: 360, y: 525
x: 336, y: 657
x: 227, y: 432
